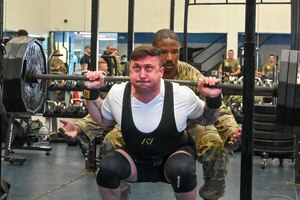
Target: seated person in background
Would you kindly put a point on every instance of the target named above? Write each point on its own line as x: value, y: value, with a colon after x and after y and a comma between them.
x: 117, y: 65
x: 268, y: 68
x: 155, y: 151
x: 102, y: 66
x: 231, y: 67
x: 57, y: 66
x: 108, y: 52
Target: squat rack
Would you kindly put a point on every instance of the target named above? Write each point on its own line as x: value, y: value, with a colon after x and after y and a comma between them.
x: 246, y: 170
x: 248, y: 86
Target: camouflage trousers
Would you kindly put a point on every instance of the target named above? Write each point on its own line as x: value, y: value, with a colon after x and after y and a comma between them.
x: 210, y: 149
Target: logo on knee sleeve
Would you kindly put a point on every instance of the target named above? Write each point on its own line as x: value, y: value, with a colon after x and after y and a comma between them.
x: 157, y: 163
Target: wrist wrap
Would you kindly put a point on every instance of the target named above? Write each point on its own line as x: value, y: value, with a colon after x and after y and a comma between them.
x: 213, y: 103
x: 90, y: 94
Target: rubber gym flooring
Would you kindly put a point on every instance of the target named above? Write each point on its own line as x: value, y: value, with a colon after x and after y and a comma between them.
x: 62, y: 175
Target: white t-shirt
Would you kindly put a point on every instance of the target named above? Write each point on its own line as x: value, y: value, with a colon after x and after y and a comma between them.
x: 146, y: 117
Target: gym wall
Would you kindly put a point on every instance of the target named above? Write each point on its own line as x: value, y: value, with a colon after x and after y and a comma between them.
x: 41, y: 16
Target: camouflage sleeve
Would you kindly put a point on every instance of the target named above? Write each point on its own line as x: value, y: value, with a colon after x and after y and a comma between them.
x: 89, y: 127
x: 226, y: 123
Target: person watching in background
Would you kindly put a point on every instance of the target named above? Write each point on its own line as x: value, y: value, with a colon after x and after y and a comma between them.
x: 85, y: 61
x: 22, y: 33
x: 268, y: 68
x: 230, y: 67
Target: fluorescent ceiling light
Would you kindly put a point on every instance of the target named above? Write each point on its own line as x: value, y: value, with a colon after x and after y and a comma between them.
x: 107, y: 38
x: 101, y: 38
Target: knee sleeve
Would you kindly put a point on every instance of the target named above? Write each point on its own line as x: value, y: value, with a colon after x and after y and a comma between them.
x: 113, y: 168
x: 180, y: 171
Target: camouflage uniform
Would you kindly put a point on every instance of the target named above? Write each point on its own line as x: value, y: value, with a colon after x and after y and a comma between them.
x: 89, y: 127
x: 209, y: 140
x: 268, y: 68
x: 57, y: 66
x: 230, y: 65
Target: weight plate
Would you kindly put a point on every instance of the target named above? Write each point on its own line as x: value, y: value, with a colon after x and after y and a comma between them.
x: 264, y: 126
x: 265, y: 108
x: 25, y: 55
x: 264, y: 117
x: 271, y: 135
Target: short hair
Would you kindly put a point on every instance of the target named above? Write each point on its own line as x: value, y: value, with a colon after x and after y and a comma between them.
x: 22, y: 32
x: 101, y: 60
x: 144, y: 51
x: 87, y: 47
x: 56, y: 51
x: 271, y: 55
x: 164, y: 34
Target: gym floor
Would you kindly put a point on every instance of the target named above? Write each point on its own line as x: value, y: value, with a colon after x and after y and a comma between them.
x: 62, y: 175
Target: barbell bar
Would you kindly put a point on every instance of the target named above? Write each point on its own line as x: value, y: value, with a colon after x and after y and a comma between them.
x: 25, y: 72
x: 228, y: 89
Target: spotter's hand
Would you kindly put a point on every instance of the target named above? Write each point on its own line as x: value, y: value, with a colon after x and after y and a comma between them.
x: 207, y: 91
x: 96, y: 80
x: 235, y: 138
x: 68, y: 128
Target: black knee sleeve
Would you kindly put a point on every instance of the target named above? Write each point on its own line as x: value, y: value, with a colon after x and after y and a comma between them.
x: 112, y: 168
x: 180, y: 170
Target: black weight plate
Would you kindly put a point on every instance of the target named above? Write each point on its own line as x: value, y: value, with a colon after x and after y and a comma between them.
x: 29, y: 96
x: 10, y: 101
x: 269, y: 135
x: 264, y: 126
x: 264, y: 117
x: 265, y: 109
x: 273, y: 145
x: 291, y: 88
x: 282, y: 89
x: 33, y: 57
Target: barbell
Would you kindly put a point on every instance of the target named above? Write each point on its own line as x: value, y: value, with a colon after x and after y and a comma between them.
x: 25, y: 78
x: 232, y: 89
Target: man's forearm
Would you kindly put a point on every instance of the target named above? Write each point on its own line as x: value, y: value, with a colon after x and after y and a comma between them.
x: 94, y: 108
x: 211, y: 110
x: 209, y: 116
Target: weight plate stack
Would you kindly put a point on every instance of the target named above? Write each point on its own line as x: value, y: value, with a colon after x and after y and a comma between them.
x: 266, y: 138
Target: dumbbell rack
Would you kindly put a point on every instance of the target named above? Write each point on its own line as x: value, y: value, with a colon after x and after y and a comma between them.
x: 51, y: 117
